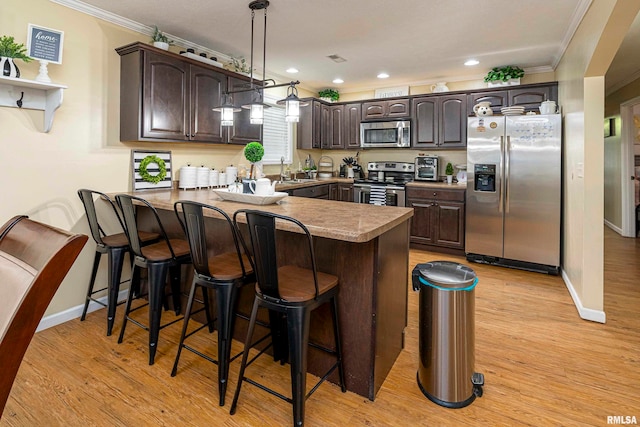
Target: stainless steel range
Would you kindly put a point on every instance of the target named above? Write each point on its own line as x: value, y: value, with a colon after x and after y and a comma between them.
x: 384, y: 184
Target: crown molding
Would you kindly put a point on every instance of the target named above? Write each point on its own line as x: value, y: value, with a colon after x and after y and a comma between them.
x: 578, y: 15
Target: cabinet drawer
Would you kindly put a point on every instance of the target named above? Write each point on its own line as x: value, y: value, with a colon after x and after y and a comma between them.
x: 317, y: 191
x: 435, y: 194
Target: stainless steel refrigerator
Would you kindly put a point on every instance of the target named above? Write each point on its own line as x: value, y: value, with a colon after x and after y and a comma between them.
x: 514, y: 171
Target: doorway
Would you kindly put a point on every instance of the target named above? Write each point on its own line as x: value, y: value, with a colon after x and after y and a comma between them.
x: 630, y: 140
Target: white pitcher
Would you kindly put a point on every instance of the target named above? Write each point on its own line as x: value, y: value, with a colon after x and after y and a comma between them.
x: 439, y: 87
x: 263, y: 187
x: 548, y: 107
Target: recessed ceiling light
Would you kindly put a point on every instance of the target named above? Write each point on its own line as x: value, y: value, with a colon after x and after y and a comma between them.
x: 471, y: 62
x: 338, y: 81
x: 292, y: 70
x: 383, y: 75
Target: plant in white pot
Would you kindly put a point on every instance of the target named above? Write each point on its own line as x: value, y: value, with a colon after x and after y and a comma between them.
x: 504, y: 76
x: 10, y: 51
x: 160, y: 40
x: 449, y: 172
x: 329, y: 95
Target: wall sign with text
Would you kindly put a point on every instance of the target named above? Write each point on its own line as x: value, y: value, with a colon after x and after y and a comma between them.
x: 45, y: 44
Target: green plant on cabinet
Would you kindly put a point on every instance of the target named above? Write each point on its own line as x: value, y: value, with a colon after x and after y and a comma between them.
x: 504, y: 73
x: 329, y: 93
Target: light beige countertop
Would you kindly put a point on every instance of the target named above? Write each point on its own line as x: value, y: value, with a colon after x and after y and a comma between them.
x: 351, y: 222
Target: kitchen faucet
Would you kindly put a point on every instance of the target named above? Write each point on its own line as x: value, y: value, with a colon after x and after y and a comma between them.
x: 282, y: 174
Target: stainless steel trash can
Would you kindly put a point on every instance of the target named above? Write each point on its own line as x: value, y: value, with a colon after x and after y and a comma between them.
x: 447, y: 333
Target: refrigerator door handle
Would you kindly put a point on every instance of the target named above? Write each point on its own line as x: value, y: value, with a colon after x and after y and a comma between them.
x: 507, y: 153
x: 500, y: 187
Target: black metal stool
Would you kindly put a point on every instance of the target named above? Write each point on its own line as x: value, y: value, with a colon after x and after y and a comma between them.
x: 161, y: 258
x: 225, y: 273
x: 293, y: 291
x: 115, y: 246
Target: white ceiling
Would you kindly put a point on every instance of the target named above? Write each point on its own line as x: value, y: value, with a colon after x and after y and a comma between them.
x: 414, y: 41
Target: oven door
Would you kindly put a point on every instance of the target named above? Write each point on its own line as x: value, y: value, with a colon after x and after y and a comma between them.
x: 394, y: 195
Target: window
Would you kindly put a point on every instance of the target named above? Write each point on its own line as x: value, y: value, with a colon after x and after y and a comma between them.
x: 276, y: 134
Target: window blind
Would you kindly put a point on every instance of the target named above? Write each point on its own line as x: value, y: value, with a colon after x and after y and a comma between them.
x: 276, y: 134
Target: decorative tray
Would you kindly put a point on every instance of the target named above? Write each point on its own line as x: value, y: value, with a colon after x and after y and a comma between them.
x: 253, y: 199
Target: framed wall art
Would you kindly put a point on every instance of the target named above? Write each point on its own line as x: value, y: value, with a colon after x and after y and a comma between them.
x: 151, y: 169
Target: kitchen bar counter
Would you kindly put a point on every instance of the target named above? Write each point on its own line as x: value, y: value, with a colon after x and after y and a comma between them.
x: 366, y: 246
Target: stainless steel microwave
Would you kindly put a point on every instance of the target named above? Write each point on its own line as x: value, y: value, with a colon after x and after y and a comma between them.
x: 385, y: 134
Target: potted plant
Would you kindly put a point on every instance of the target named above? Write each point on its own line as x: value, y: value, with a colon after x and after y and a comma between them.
x: 253, y: 152
x: 449, y: 172
x: 240, y: 66
x: 329, y: 95
x: 504, y: 76
x: 160, y: 40
x: 9, y: 51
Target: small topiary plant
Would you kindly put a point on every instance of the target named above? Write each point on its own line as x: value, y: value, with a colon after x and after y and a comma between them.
x: 449, y: 169
x: 253, y: 152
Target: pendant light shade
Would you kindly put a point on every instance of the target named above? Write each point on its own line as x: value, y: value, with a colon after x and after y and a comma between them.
x: 292, y: 104
x: 226, y: 109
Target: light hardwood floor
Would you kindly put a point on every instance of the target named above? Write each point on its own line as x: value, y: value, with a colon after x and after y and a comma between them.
x: 543, y: 365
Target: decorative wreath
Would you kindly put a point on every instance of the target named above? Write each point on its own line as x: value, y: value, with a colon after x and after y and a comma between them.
x: 146, y: 176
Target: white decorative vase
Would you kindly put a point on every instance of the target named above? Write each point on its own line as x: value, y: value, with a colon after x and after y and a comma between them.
x: 449, y: 179
x: 161, y: 45
x: 9, y: 68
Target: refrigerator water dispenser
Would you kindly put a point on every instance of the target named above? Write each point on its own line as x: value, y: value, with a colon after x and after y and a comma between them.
x: 485, y: 177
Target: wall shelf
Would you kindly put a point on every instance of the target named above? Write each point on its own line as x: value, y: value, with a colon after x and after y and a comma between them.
x: 32, y: 95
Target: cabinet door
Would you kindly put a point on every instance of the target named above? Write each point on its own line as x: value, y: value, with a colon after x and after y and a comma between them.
x: 336, y: 113
x: 448, y: 224
x: 242, y: 132
x: 351, y: 129
x: 398, y: 108
x: 373, y: 110
x: 345, y: 192
x: 206, y: 89
x: 425, y: 122
x: 165, y: 98
x: 422, y: 231
x: 530, y: 98
x: 309, y: 128
x: 333, y: 191
x: 498, y: 99
x: 327, y: 127
x: 453, y: 121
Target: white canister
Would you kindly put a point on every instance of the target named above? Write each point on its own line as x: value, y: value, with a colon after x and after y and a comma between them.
x: 232, y: 174
x: 188, y: 177
x: 213, y: 178
x: 222, y: 178
x: 203, y: 177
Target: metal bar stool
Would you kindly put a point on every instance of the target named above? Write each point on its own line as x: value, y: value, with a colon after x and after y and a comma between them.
x: 294, y: 292
x: 225, y: 273
x: 115, y: 246
x: 161, y: 258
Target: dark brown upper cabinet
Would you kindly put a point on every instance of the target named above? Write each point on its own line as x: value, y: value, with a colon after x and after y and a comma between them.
x: 382, y: 109
x: 309, y: 128
x: 439, y: 121
x: 167, y: 97
x: 351, y: 123
x: 529, y: 97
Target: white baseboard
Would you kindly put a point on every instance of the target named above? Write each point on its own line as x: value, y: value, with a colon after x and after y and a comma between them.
x: 613, y: 227
x: 74, y: 312
x: 585, y: 313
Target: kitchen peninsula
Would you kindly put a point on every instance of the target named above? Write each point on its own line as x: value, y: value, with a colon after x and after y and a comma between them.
x: 366, y: 246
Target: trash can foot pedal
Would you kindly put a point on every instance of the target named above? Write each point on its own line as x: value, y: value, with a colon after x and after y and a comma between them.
x: 477, y: 379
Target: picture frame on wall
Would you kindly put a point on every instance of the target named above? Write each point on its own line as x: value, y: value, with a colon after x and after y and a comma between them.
x: 151, y: 169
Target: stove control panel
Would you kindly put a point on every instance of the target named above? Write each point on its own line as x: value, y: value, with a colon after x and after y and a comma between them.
x: 391, y: 167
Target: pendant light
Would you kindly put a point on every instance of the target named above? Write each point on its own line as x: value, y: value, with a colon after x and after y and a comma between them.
x: 257, y: 105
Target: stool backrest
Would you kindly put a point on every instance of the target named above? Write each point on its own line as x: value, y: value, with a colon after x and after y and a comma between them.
x: 262, y: 233
x: 86, y: 196
x: 127, y: 207
x: 191, y: 217
x: 34, y: 259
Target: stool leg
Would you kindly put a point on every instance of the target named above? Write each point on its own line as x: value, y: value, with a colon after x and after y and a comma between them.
x: 207, y: 308
x: 176, y: 272
x: 127, y: 308
x: 187, y: 316
x: 298, y: 332
x: 225, y: 299
x: 245, y: 353
x: 116, y: 261
x: 157, y: 280
x: 336, y: 334
x: 92, y: 281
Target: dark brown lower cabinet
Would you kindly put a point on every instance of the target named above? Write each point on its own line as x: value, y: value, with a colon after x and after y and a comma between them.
x: 438, y: 219
x: 316, y: 192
